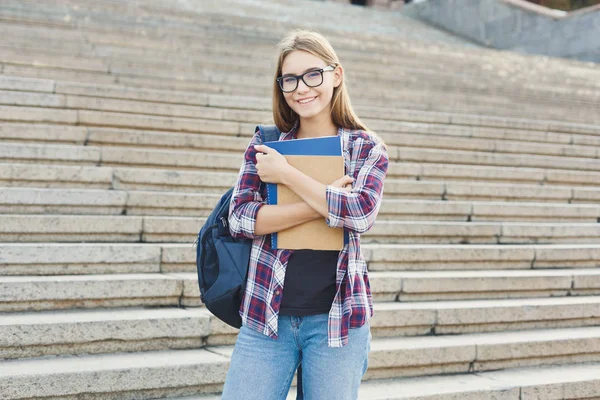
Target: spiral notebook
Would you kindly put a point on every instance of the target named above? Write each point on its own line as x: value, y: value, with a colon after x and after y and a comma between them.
x: 320, y: 158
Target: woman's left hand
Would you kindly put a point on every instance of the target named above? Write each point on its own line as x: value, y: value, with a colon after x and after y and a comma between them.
x: 270, y: 164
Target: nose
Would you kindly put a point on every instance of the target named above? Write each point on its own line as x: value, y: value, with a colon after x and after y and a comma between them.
x: 302, y: 86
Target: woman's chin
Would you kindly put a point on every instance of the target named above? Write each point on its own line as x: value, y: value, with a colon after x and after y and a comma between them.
x: 307, y: 113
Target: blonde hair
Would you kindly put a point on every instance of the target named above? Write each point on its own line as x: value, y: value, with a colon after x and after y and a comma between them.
x: 341, y: 109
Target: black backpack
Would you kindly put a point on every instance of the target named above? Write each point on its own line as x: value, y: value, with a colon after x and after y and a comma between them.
x: 221, y: 260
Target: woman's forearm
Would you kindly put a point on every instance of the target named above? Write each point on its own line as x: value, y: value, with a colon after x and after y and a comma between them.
x: 309, y: 190
x: 275, y: 218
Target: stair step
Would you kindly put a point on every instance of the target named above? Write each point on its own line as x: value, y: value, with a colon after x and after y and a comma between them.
x: 152, y: 229
x: 216, y: 134
x: 175, y: 372
x: 408, y: 286
x: 106, y: 258
x: 37, y: 334
x: 70, y: 332
x: 422, y: 181
x: 122, y: 376
x: 33, y: 293
x: 72, y: 201
x: 549, y: 383
x: 26, y: 293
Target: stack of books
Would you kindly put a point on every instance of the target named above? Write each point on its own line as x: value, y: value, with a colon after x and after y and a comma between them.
x: 322, y: 159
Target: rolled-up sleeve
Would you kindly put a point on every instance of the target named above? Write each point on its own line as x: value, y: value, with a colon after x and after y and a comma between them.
x: 357, y: 210
x: 246, y: 199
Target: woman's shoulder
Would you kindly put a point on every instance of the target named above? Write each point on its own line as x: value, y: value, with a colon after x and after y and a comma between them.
x: 363, y: 137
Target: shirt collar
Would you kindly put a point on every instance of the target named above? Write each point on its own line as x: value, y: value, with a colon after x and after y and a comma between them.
x: 291, y: 134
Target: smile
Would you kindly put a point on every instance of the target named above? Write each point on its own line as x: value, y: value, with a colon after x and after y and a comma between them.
x: 307, y: 101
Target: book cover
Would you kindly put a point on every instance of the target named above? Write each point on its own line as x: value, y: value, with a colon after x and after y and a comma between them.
x: 320, y: 158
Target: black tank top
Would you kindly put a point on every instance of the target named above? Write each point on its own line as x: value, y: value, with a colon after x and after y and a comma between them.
x: 309, y: 285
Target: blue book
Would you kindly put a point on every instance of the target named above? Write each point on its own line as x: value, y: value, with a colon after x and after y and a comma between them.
x: 322, y: 159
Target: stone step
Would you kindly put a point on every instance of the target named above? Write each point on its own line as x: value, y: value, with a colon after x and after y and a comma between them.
x: 227, y: 69
x: 485, y: 74
x: 94, y: 137
x: 187, y: 372
x: 217, y: 64
x: 37, y: 293
x: 29, y: 71
x: 62, y: 176
x: 140, y: 375
x: 221, y: 162
x: 573, y: 144
x: 450, y: 64
x: 376, y: 113
x: 110, y: 258
x: 416, y: 187
x: 430, y: 181
x: 202, y: 25
x: 178, y: 20
x: 36, y: 334
x: 562, y: 95
x: 373, y: 115
x: 17, y: 83
x: 549, y: 382
x: 432, y: 355
x: 24, y: 200
x: 45, y: 34
x: 408, y: 286
x: 217, y: 135
x: 457, y: 82
x: 230, y: 56
x: 383, y: 39
x: 49, y: 60
x: 153, y: 229
x: 411, y: 98
x: 28, y: 293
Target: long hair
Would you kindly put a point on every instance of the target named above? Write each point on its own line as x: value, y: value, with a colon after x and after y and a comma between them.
x: 341, y: 109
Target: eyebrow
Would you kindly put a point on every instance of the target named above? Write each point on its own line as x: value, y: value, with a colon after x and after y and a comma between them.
x: 306, y: 70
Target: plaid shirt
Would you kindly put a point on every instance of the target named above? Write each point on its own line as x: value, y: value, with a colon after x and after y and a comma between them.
x: 366, y: 160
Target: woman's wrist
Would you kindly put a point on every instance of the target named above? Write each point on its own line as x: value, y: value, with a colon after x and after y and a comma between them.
x: 287, y: 174
x: 310, y: 212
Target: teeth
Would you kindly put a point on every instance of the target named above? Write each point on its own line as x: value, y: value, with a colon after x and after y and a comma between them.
x: 306, y: 101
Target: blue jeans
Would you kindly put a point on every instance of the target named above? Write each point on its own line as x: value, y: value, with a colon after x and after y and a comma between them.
x: 262, y: 368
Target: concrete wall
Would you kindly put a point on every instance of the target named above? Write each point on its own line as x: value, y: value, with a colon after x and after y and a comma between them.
x: 517, y: 25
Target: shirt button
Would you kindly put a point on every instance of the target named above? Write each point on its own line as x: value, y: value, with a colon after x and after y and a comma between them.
x: 277, y: 293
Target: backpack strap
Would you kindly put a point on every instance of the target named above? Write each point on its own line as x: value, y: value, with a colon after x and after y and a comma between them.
x: 268, y: 133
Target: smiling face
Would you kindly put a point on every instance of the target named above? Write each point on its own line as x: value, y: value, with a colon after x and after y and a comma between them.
x: 306, y: 101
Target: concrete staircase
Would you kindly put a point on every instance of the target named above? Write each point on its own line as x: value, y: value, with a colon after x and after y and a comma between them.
x: 123, y: 122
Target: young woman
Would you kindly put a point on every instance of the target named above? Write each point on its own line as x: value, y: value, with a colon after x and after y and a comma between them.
x: 306, y: 306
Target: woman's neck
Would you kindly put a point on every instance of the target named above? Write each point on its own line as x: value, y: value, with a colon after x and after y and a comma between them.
x: 310, y: 129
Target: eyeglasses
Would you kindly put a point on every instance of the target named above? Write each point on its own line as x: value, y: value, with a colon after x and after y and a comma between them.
x: 312, y: 78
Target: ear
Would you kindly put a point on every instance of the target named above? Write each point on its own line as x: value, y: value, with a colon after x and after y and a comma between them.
x: 338, y: 76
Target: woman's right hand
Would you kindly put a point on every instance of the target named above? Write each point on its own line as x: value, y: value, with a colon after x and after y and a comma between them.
x: 344, y: 183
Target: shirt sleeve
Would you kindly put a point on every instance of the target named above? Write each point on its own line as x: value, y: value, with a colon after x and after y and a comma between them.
x: 357, y: 210
x: 246, y: 198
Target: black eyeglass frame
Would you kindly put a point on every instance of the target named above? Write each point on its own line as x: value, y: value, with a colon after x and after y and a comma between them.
x: 301, y: 76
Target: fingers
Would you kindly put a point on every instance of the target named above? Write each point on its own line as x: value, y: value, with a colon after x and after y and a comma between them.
x: 346, y: 180
x: 262, y: 148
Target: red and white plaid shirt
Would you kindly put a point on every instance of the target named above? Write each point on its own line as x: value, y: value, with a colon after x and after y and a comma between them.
x: 366, y: 160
